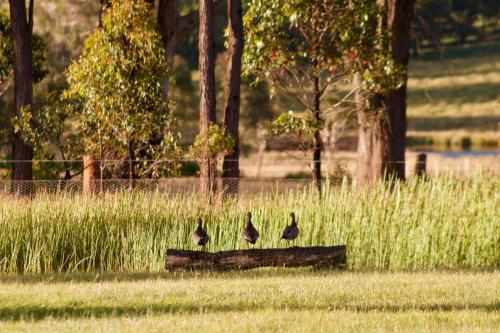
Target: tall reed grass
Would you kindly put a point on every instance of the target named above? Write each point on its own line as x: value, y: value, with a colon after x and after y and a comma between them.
x: 445, y: 222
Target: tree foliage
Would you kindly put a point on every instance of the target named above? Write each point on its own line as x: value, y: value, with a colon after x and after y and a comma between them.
x: 113, y: 103
x: 293, y: 43
x: 211, y: 143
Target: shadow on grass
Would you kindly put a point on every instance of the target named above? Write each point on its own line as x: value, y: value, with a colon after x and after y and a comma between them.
x: 181, y: 275
x: 474, y: 59
x: 424, y: 70
x: 468, y: 51
x: 473, y: 93
x: 66, y: 312
x: 258, y: 273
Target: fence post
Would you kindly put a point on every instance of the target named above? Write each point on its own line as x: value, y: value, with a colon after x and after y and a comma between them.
x: 421, y: 165
x: 88, y: 174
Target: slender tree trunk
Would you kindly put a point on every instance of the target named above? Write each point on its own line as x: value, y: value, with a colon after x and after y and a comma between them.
x: 231, y: 165
x: 382, y: 130
x: 207, y: 88
x: 317, y: 142
x: 173, y: 27
x: 89, y: 163
x: 22, y: 29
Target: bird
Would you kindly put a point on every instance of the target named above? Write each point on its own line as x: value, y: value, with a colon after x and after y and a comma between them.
x: 292, y: 231
x: 200, y: 236
x: 250, y: 234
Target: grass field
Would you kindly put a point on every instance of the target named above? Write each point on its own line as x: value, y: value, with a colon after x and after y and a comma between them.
x: 297, y: 300
x: 459, y: 89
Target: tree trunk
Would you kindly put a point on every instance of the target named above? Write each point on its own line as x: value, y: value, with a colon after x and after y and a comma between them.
x: 168, y: 22
x: 22, y: 29
x: 174, y: 27
x: 231, y: 165
x: 382, y: 130
x: 317, y: 142
x: 207, y: 88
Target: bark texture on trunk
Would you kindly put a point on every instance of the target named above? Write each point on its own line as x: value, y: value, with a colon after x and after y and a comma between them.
x: 382, y: 131
x: 231, y: 165
x: 22, y: 29
x: 168, y: 25
x: 173, y: 27
x: 317, y: 142
x: 168, y: 21
x: 207, y: 88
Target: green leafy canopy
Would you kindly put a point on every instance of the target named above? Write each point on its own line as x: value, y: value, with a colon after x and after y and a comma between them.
x: 211, y: 143
x: 303, y: 48
x: 114, y: 103
x: 337, y: 37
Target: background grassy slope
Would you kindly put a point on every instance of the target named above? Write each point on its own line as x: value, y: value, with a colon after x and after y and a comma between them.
x: 295, y: 300
x: 456, y: 94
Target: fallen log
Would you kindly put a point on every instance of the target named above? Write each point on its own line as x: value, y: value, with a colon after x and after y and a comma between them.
x: 253, y: 258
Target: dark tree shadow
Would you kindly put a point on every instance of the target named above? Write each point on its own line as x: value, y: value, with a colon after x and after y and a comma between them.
x: 41, y: 312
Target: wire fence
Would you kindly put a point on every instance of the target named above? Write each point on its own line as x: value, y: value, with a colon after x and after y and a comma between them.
x: 270, y: 176
x: 185, y: 185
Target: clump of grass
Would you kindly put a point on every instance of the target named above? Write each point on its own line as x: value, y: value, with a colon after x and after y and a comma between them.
x: 444, y: 222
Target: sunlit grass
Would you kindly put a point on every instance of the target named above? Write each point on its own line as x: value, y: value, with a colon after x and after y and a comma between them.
x: 446, y: 222
x: 264, y: 300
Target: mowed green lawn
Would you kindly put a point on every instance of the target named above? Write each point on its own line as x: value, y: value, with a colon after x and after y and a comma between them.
x: 272, y: 300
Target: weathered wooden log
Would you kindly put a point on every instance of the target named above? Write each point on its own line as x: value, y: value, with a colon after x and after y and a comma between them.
x: 253, y: 258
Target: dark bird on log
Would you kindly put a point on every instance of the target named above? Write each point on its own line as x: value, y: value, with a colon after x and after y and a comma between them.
x: 200, y: 236
x: 292, y: 231
x: 250, y: 234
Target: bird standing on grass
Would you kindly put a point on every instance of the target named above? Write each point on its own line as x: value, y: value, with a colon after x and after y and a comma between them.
x: 292, y: 231
x: 200, y: 236
x: 250, y: 234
